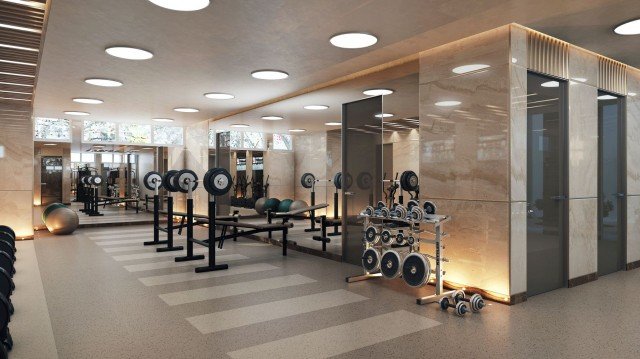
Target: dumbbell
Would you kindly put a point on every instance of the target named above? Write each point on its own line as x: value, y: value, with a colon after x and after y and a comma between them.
x: 368, y: 211
x: 459, y: 308
x: 476, y: 302
x: 399, y: 211
x: 411, y: 240
x: 416, y: 214
x: 412, y: 203
x: 386, y: 237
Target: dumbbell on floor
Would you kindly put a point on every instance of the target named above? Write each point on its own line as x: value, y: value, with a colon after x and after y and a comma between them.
x: 459, y: 308
x: 476, y: 302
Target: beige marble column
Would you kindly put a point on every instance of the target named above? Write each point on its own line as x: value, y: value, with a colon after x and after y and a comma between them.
x: 196, y: 157
x: 279, y: 167
x: 633, y: 168
x: 310, y: 154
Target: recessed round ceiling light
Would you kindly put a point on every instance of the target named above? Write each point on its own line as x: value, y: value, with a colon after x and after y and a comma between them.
x: 632, y: 94
x: 378, y: 92
x: 628, y: 28
x: 272, y: 118
x: 91, y: 101
x: 162, y: 119
x: 579, y: 79
x: 448, y: 103
x: 333, y: 123
x: 550, y: 84
x: 103, y: 82
x: 469, y: 68
x: 182, y: 5
x: 316, y: 107
x: 297, y: 130
x: 239, y: 125
x: 186, y: 109
x: 129, y: 53
x: 219, y: 96
x: 606, y: 97
x: 384, y: 115
x: 77, y: 113
x: 270, y: 75
x: 353, y: 40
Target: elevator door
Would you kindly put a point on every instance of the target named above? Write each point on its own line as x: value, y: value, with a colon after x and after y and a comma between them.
x: 611, y: 184
x: 546, y: 185
x: 51, y: 180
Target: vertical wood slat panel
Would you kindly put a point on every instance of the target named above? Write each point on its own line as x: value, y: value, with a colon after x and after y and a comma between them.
x: 547, y: 55
x: 612, y: 76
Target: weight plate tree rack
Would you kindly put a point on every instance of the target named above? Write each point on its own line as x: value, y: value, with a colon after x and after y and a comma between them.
x: 436, y: 228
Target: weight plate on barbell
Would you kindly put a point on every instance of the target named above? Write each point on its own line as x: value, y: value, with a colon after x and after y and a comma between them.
x: 390, y: 264
x: 217, y: 181
x: 337, y: 180
x: 167, y: 182
x: 429, y: 207
x: 371, y: 260
x: 151, y: 180
x: 409, y: 181
x: 307, y: 180
x: 385, y: 236
x: 364, y: 180
x: 371, y: 234
x: 185, y: 179
x: 416, y: 269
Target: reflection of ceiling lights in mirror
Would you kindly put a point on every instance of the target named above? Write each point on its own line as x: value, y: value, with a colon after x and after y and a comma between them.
x: 162, y: 119
x: 77, y: 113
x: 270, y: 75
x: 103, y: 82
x: 239, y: 125
x: 91, y: 101
x: 353, y: 40
x: 50, y: 144
x: 447, y: 103
x: 272, y: 118
x: 182, y: 5
x: 579, y: 79
x: 469, y: 68
x: 378, y: 92
x: 628, y: 28
x: 297, y: 130
x: 219, y: 96
x: 384, y: 115
x: 316, y: 107
x: 128, y: 53
x: 333, y: 123
x: 550, y: 84
x: 186, y: 109
x: 606, y: 97
x: 632, y: 94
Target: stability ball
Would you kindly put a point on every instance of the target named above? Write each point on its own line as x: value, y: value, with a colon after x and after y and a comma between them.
x: 271, y: 205
x: 285, y: 204
x: 296, y: 205
x: 259, y: 206
x: 60, y: 219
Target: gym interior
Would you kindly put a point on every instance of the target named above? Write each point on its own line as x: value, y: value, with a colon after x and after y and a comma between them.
x: 290, y: 179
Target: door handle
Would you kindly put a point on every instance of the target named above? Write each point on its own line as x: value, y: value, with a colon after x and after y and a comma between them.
x: 620, y: 194
x: 559, y: 198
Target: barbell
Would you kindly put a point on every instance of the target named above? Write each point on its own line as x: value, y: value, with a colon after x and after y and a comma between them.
x: 217, y: 181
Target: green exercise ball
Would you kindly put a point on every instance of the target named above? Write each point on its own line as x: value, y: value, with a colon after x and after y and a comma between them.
x: 284, y: 205
x: 271, y: 205
x: 259, y: 206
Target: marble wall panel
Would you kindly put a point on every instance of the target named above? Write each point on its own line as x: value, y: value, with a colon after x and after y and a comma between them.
x: 279, y: 166
x: 583, y: 66
x: 583, y: 237
x: 633, y: 132
x: 17, y: 140
x: 583, y: 141
x: 17, y: 211
x: 464, y: 149
x: 176, y: 161
x: 518, y: 44
x: 310, y: 155
x: 633, y: 228
x: 518, y: 248
x: 518, y: 132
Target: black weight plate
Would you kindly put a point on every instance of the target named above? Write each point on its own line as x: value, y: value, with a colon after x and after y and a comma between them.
x: 380, y: 205
x: 7, y: 263
x: 400, y: 238
x: 346, y: 181
x: 429, y: 207
x: 95, y: 180
x: 412, y: 203
x: 6, y: 283
x: 8, y: 230
x: 370, y: 234
x: 371, y: 260
x: 409, y: 181
x: 390, y: 264
x: 6, y: 247
x: 4, y: 312
x: 179, y: 181
x: 307, y: 180
x: 166, y: 181
x: 151, y: 180
x: 385, y: 236
x: 416, y: 270
x: 337, y: 180
x: 411, y: 240
x: 218, y: 181
x: 4, y: 236
x: 364, y: 180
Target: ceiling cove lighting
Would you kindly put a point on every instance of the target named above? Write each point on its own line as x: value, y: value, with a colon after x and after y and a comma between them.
x: 378, y: 92
x: 50, y: 144
x: 316, y: 107
x: 333, y: 123
x: 606, y: 97
x: 239, y: 125
x: 16, y: 74
x: 14, y: 84
x: 219, y: 96
x: 18, y: 63
x: 103, y: 82
x: 14, y: 99
x: 182, y: 5
x: 628, y: 28
x: 353, y: 40
x: 162, y: 119
x: 448, y: 103
x: 77, y: 113
x: 550, y: 84
x: 272, y: 118
x: 20, y: 28
x: 469, y: 68
x: 186, y: 109
x: 17, y: 92
x: 269, y: 75
x: 297, y: 130
x: 90, y: 101
x: 128, y: 53
x: 384, y: 115
x: 14, y: 47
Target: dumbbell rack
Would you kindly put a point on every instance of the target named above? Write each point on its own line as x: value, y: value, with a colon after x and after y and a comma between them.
x: 437, y: 223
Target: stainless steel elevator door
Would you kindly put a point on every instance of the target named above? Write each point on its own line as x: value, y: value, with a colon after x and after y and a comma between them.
x: 51, y: 180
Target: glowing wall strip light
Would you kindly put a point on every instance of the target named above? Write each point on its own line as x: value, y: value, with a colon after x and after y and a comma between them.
x: 20, y: 28
x: 13, y: 47
x: 33, y: 4
x: 14, y: 84
x: 15, y: 74
x: 18, y: 62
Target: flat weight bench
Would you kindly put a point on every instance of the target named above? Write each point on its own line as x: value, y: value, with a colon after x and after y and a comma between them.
x: 286, y: 216
x: 115, y: 200
x: 200, y: 219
